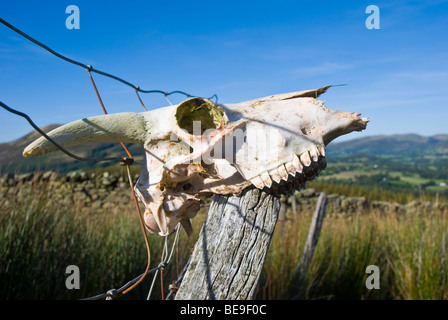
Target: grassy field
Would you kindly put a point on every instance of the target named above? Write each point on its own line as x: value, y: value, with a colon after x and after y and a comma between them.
x: 42, y: 233
x: 409, y: 251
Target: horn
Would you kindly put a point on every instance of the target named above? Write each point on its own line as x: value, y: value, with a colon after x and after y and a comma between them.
x: 302, y: 94
x: 118, y: 127
x: 292, y: 95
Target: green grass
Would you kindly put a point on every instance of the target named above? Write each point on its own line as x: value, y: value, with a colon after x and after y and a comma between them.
x: 42, y: 232
x: 414, y: 179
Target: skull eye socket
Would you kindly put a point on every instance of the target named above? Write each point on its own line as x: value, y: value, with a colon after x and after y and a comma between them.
x: 196, y: 115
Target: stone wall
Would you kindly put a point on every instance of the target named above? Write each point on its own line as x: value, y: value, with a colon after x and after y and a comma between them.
x: 91, y: 190
x: 343, y: 205
x: 107, y: 189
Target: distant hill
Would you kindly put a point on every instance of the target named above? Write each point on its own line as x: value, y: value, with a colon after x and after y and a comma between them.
x: 407, y: 163
x: 395, y: 146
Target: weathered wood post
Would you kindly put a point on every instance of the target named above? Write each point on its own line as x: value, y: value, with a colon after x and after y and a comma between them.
x: 228, y: 257
x: 314, y: 232
x: 294, y: 207
x: 311, y: 242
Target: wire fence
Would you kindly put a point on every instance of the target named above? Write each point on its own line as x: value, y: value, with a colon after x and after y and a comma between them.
x: 126, y: 161
x: 91, y: 69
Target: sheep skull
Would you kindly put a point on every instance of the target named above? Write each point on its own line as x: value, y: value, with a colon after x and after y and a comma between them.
x: 276, y: 143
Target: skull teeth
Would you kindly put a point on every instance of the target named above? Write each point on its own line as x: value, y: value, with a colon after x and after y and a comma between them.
x: 290, y: 168
x: 275, y: 175
x: 322, y: 150
x: 266, y: 179
x: 305, y: 159
x: 297, y: 164
x: 257, y: 182
x: 283, y: 172
x: 293, y: 174
x: 314, y: 153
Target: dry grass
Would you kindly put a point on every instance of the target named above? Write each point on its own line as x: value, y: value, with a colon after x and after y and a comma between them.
x: 41, y: 234
x: 410, y: 251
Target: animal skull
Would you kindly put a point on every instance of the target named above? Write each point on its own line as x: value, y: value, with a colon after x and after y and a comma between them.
x: 276, y: 143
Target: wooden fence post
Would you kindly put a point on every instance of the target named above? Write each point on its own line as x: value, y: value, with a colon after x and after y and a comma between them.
x: 229, y: 255
x: 311, y: 242
x: 294, y: 207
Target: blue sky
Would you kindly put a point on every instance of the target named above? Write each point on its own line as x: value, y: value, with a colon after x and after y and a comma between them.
x: 396, y: 75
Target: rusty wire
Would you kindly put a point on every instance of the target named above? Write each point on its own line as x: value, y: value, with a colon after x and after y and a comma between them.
x: 104, y: 108
x: 145, y: 236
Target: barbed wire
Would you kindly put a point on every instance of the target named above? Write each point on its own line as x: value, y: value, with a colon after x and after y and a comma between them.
x: 126, y: 161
